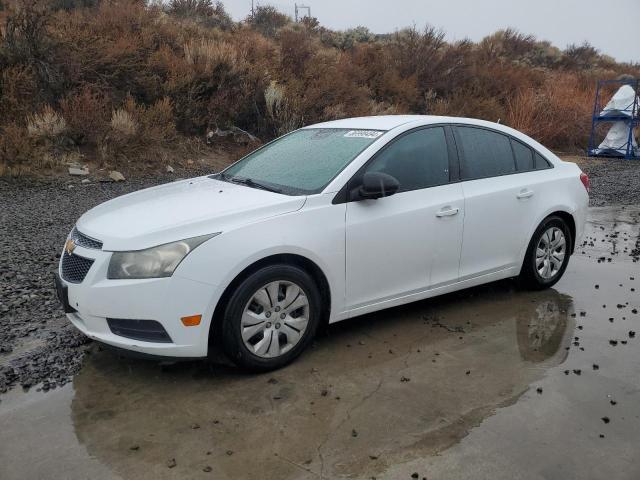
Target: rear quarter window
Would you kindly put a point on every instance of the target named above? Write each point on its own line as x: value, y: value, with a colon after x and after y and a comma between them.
x: 524, y: 156
x: 540, y: 162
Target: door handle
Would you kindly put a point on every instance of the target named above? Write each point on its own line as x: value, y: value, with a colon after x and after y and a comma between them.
x: 447, y: 212
x: 525, y: 193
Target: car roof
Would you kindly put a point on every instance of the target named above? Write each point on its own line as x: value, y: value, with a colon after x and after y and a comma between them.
x: 389, y: 122
x: 381, y: 122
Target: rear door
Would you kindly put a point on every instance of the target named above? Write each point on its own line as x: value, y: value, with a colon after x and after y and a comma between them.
x: 404, y: 243
x: 503, y: 188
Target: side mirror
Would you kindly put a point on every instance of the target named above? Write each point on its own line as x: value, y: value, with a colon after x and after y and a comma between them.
x: 377, y: 185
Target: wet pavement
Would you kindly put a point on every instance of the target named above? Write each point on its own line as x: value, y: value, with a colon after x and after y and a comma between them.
x: 492, y: 382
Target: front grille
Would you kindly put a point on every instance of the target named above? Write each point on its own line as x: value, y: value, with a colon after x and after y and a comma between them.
x: 75, y: 267
x: 82, y: 240
x: 145, y: 330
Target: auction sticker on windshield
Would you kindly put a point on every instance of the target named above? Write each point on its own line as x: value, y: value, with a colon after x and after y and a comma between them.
x: 363, y: 134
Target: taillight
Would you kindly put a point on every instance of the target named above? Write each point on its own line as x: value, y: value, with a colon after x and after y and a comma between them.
x: 584, y: 178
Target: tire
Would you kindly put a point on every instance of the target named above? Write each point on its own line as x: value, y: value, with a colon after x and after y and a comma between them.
x: 531, y: 275
x: 261, y: 332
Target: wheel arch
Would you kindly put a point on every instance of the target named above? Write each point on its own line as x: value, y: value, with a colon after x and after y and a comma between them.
x: 565, y: 215
x: 571, y: 223
x: 301, y: 261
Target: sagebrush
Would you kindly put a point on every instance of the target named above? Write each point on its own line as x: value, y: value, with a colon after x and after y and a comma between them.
x: 118, y: 81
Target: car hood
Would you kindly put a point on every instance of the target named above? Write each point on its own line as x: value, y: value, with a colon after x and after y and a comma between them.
x: 179, y: 210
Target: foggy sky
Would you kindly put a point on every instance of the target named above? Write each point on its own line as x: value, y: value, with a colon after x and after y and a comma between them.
x: 612, y: 26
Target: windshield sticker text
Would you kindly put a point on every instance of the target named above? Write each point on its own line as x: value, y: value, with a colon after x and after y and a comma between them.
x: 363, y: 134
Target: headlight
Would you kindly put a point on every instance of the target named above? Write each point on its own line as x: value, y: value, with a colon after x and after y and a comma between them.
x: 155, y: 262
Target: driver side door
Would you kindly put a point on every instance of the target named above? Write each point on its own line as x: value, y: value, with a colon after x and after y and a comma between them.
x: 404, y: 244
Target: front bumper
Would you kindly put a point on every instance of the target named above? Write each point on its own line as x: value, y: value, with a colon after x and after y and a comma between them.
x: 165, y: 300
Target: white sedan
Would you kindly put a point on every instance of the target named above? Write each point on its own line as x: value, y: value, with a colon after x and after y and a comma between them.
x: 326, y: 223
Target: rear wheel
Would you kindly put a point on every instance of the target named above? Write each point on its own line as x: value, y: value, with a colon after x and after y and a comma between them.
x: 271, y: 318
x: 547, y: 255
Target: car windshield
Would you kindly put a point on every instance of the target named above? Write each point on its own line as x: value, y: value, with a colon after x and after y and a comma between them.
x: 301, y: 163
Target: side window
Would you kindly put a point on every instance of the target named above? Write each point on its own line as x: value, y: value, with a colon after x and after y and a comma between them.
x: 524, y: 156
x: 541, y: 163
x: 417, y: 160
x: 486, y: 153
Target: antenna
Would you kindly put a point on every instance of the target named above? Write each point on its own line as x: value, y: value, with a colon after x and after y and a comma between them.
x: 302, y: 7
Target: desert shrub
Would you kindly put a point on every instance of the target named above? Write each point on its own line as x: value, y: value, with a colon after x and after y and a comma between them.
x: 27, y: 45
x: 213, y: 86
x: 296, y: 48
x: 557, y: 114
x: 139, y: 131
x: 209, y: 13
x: 191, y: 8
x: 208, y: 55
x: 129, y: 79
x: 268, y: 20
x: 109, y: 46
x: 19, y: 91
x: 418, y: 53
x: 86, y: 112
x: 347, y: 39
x: 280, y: 110
x: 581, y: 56
x: 123, y: 126
x: 368, y: 65
x: 25, y: 35
x: 17, y: 150
x: 156, y: 121
x: 47, y: 124
x: 506, y: 44
x: 327, y: 81
x: 467, y: 103
x: 72, y: 4
x: 310, y: 23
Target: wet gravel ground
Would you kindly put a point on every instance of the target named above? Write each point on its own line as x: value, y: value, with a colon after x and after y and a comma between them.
x: 613, y: 182
x: 38, y: 347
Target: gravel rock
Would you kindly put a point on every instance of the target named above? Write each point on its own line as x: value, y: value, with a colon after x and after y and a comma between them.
x: 78, y: 171
x: 116, y: 176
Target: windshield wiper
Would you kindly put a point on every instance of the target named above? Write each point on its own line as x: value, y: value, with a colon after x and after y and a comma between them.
x: 249, y: 183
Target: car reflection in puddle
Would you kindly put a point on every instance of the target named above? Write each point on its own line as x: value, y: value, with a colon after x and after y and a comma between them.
x: 542, y: 330
x: 373, y: 392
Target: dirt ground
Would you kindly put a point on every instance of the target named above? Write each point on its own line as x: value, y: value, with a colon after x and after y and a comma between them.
x: 492, y: 382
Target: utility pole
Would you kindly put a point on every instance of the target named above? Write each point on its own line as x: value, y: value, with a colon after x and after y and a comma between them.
x: 302, y: 7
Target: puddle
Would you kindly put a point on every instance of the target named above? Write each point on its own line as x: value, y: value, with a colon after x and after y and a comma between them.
x: 444, y: 388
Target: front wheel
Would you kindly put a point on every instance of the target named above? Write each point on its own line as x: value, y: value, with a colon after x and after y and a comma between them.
x: 271, y: 318
x: 548, y: 254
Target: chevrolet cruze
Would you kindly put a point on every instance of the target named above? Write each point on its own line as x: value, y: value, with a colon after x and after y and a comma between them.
x: 326, y: 223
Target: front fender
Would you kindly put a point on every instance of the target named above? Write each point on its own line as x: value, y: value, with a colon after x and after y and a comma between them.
x: 316, y: 234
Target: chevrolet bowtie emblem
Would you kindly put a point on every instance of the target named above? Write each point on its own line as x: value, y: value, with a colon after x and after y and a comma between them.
x: 69, y: 246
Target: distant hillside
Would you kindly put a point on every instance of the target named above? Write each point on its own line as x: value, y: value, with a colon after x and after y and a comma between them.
x: 124, y: 83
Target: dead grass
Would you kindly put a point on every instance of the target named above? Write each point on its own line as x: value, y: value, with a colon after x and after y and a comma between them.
x: 48, y: 124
